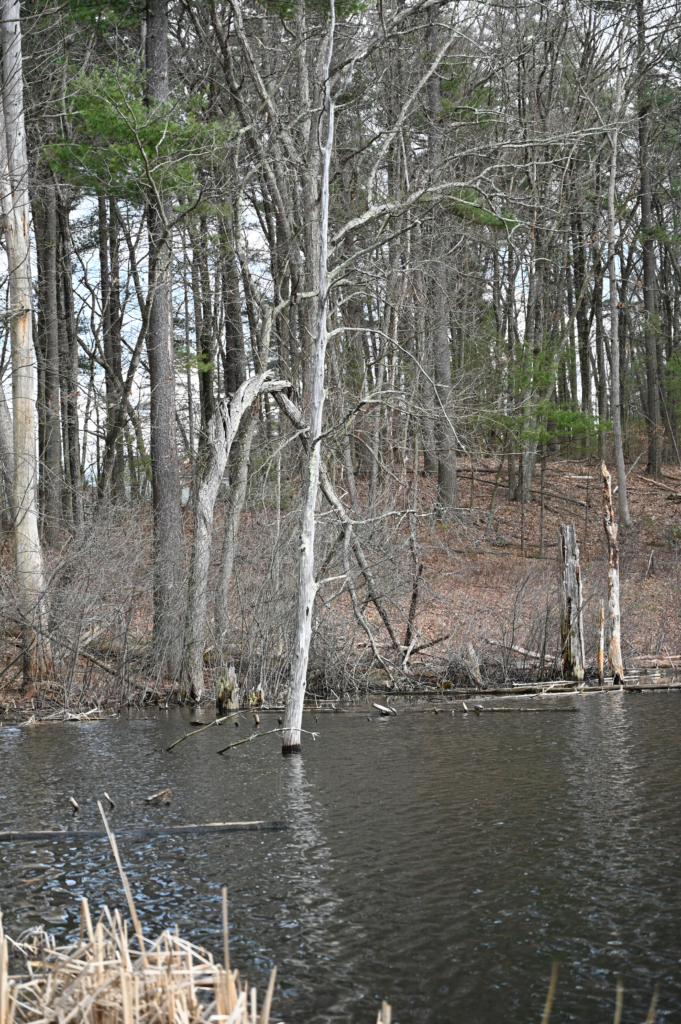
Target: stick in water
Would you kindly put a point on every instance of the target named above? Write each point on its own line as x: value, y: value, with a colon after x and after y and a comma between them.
x: 256, y: 735
x: 550, y: 994
x: 124, y: 878
x: 225, y: 927
x: 186, y: 736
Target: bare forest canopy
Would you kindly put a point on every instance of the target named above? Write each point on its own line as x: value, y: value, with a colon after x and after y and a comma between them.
x: 278, y: 277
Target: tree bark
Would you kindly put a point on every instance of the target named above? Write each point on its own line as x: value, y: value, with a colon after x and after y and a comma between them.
x: 16, y: 211
x: 167, y: 542
x: 652, y: 383
x: 237, y: 498
x: 600, y: 655
x: 307, y: 586
x: 615, y: 388
x: 610, y: 526
x: 6, y: 460
x: 442, y: 358
x: 45, y: 221
x: 69, y: 383
x: 571, y: 616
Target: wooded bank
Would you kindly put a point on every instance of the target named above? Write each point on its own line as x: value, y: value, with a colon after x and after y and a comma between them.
x: 284, y: 250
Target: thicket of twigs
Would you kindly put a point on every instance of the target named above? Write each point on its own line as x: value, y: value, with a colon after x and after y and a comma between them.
x: 462, y: 603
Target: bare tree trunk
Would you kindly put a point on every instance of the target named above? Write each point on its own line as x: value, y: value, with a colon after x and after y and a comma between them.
x: 70, y: 371
x: 6, y: 460
x: 237, y: 498
x: 442, y: 359
x: 615, y: 388
x: 307, y: 586
x: 16, y: 212
x: 222, y: 430
x: 46, y: 243
x: 610, y: 526
x: 167, y: 546
x: 571, y: 618
x: 652, y: 390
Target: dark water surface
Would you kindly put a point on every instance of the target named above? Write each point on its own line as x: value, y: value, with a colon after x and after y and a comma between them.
x: 440, y: 862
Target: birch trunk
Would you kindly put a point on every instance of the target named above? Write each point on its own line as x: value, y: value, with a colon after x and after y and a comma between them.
x: 610, y: 526
x: 16, y: 209
x: 307, y: 586
x: 220, y: 433
x: 571, y: 616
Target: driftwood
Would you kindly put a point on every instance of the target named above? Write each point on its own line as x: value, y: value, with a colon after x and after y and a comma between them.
x: 216, y: 721
x: 571, y: 617
x: 384, y: 710
x: 610, y: 526
x: 256, y: 735
x: 134, y: 833
x: 162, y: 797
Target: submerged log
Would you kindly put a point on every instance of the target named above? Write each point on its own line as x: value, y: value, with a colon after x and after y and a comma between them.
x: 134, y: 833
x: 610, y: 526
x: 571, y: 617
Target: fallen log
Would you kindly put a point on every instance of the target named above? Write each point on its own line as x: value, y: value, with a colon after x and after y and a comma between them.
x: 664, y: 487
x: 481, y: 710
x: 134, y: 833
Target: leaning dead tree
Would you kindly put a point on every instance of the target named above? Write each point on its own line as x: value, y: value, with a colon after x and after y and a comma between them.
x: 571, y: 617
x: 610, y: 526
x: 222, y: 429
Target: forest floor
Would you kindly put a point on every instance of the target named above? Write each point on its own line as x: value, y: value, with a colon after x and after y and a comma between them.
x: 480, y: 588
x: 498, y: 590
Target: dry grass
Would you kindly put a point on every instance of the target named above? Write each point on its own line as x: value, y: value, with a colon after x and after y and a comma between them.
x: 101, y: 979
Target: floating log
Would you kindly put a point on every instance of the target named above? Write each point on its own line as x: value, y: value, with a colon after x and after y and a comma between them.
x: 135, y: 833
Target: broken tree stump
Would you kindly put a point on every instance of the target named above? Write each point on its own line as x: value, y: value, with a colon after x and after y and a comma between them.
x: 610, y: 526
x: 571, y: 617
x: 601, y: 643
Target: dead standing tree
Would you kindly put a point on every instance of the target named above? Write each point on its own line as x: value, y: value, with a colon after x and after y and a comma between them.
x: 610, y: 526
x: 571, y: 619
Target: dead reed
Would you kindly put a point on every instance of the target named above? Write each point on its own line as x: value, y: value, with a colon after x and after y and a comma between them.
x: 103, y: 979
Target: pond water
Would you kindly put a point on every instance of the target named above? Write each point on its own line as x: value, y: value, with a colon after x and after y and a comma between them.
x: 438, y: 861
